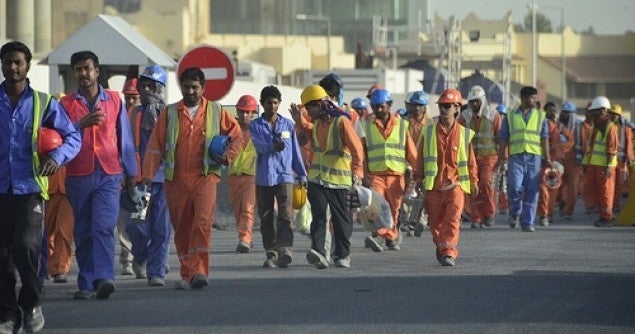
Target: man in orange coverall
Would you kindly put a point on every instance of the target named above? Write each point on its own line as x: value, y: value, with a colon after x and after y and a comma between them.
x: 587, y: 197
x: 182, y: 137
x: 389, y: 149
x: 625, y: 154
x: 447, y: 167
x: 572, y: 157
x: 600, y: 160
x: 485, y: 123
x: 560, y: 140
x: 242, y: 180
x: 59, y: 222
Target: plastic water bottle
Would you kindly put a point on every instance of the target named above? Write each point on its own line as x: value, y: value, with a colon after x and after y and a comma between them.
x: 142, y: 216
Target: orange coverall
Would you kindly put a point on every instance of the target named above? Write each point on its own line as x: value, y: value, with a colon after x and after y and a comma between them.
x: 547, y: 197
x: 391, y: 184
x: 444, y: 203
x: 242, y: 195
x: 622, y: 177
x: 59, y: 223
x: 191, y: 196
x: 484, y: 204
x: 587, y: 197
x: 568, y: 192
x: 600, y: 187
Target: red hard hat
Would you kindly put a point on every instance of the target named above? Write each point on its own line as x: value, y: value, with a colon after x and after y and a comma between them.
x: 374, y: 88
x: 450, y: 95
x: 247, y: 103
x: 130, y: 88
x: 48, y: 140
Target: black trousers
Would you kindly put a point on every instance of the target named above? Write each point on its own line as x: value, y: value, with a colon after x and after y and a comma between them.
x: 21, y: 228
x: 275, y: 238
x: 322, y: 198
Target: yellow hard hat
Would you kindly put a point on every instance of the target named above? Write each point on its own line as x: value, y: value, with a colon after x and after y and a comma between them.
x: 617, y: 109
x: 313, y: 93
x: 299, y: 196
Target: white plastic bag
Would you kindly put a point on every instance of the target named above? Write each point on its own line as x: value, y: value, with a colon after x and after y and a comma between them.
x: 303, y: 219
x: 377, y: 214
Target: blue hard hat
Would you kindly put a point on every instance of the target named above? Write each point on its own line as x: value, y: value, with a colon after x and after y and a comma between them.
x: 155, y: 73
x: 359, y: 103
x: 380, y: 96
x: 219, y: 145
x: 419, y: 97
x: 402, y: 111
x: 501, y: 109
x: 569, y: 106
x: 331, y: 78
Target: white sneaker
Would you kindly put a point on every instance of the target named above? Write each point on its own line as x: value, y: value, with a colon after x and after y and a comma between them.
x: 317, y: 259
x: 182, y: 285
x: 139, y: 269
x: 343, y: 263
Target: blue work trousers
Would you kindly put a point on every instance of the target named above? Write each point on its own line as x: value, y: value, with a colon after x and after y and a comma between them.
x: 523, y: 186
x: 95, y: 202
x: 151, y: 239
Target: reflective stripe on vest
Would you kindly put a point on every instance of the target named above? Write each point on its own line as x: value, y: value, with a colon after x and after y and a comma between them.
x: 621, y: 144
x: 135, y: 125
x: 212, y: 128
x: 485, y: 142
x: 39, y: 109
x: 389, y: 153
x: 334, y: 164
x: 245, y: 161
x: 525, y: 137
x: 597, y: 155
x: 431, y: 157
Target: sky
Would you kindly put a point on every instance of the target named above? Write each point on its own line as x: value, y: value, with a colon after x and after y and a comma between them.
x: 607, y: 17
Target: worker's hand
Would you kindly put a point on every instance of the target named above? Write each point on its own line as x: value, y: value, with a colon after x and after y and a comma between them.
x: 49, y: 167
x: 278, y: 145
x: 609, y: 172
x: 220, y: 159
x: 473, y: 189
x: 296, y: 113
x: 547, y: 163
x: 301, y: 183
x: 146, y: 182
x: 408, y: 174
x: 92, y: 118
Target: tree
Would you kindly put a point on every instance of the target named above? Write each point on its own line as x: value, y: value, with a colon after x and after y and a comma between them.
x: 543, y: 24
x: 588, y: 31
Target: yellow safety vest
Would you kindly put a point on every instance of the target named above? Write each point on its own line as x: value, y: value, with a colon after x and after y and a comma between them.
x: 525, y: 137
x: 597, y: 155
x: 212, y: 128
x: 431, y: 157
x: 333, y: 165
x: 245, y: 162
x: 39, y: 109
x: 484, y: 141
x: 385, y: 154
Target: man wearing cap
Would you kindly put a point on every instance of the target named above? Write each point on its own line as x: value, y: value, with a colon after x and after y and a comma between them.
x: 572, y: 158
x: 181, y: 142
x: 151, y: 239
x: 241, y: 181
x: 486, y: 123
x: 600, y: 160
x: 337, y: 164
x: 389, y: 149
x: 625, y: 154
x: 446, y: 167
x: 131, y: 94
x: 526, y: 132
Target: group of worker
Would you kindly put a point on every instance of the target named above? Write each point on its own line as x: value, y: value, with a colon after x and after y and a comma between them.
x: 102, y: 154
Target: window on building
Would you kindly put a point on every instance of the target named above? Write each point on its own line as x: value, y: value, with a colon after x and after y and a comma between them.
x: 582, y: 89
x: 124, y: 6
x: 621, y: 90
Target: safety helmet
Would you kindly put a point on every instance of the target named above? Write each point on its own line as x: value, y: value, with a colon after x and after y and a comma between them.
x: 600, y: 102
x: 130, y: 87
x: 330, y: 79
x: 373, y: 88
x: 247, y: 103
x: 617, y: 109
x: 501, y: 109
x: 380, y: 96
x: 219, y: 145
x: 419, y: 97
x: 553, y: 176
x: 48, y: 140
x: 313, y: 93
x: 568, y: 106
x: 155, y: 73
x: 359, y: 103
x: 299, y: 196
x: 408, y: 96
x: 475, y: 93
x: 450, y: 95
x: 402, y: 112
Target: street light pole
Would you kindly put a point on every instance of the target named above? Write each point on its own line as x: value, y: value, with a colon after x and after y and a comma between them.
x: 327, y: 19
x: 563, y: 56
x: 534, y: 51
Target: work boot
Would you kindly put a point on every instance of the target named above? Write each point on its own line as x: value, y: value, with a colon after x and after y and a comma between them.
x: 392, y: 245
x: 219, y: 226
x: 514, y: 222
x: 603, y: 223
x: 34, y: 320
x: 529, y: 228
x: 272, y: 258
x: 372, y: 243
x: 139, y: 269
x: 419, y: 227
x: 544, y: 221
x: 199, y: 281
x: 284, y: 258
x: 316, y: 259
x: 84, y: 294
x: 182, y: 285
x: 488, y: 221
x: 8, y: 327
x: 105, y: 288
x: 156, y: 281
x: 448, y: 261
x: 60, y: 278
x: 476, y: 225
x: 243, y: 247
x: 126, y: 269
x: 439, y: 256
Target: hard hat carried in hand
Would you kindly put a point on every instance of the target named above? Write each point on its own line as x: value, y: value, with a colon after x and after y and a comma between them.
x: 553, y: 176
x: 48, y: 140
x: 219, y: 146
x: 299, y: 196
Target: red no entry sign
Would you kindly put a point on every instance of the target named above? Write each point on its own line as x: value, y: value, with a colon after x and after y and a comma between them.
x: 217, y: 67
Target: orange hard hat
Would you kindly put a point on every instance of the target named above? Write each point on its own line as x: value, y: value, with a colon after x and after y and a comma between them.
x: 450, y: 95
x: 48, y: 140
x: 247, y: 103
x: 299, y: 196
x: 374, y: 88
x: 130, y: 88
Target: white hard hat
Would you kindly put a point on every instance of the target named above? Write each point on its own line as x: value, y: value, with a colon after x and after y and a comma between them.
x: 600, y: 102
x: 475, y: 93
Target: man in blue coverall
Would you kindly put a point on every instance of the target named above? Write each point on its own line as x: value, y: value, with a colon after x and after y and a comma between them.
x: 24, y: 186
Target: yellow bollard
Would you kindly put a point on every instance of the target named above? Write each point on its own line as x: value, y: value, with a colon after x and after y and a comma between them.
x: 627, y: 214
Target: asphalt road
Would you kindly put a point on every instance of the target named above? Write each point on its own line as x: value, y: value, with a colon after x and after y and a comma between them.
x: 569, y: 277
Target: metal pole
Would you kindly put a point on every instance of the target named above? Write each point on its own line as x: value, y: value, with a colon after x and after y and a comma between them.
x: 328, y: 40
x: 534, y: 69
x: 563, y: 57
